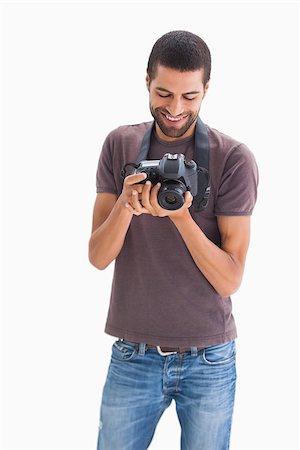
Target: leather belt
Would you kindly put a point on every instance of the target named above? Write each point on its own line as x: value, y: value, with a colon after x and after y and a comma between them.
x: 164, y: 351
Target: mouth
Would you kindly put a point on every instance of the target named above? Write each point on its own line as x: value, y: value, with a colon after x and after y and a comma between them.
x: 173, y: 120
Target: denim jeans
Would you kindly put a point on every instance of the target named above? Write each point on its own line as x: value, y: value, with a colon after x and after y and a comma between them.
x: 141, y: 384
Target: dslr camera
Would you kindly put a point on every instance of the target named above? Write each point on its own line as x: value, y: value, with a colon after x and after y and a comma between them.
x: 176, y: 176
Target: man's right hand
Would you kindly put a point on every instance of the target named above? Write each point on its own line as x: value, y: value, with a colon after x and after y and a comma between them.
x: 131, y: 189
x: 111, y: 219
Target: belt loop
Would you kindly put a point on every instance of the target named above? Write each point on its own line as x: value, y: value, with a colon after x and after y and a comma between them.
x: 142, y: 348
x: 194, y: 351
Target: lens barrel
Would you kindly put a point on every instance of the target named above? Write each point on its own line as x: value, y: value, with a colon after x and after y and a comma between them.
x: 171, y: 194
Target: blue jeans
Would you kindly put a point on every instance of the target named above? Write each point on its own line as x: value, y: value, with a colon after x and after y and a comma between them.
x: 141, y: 384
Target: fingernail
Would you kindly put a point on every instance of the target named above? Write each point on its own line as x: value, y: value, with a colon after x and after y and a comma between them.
x: 134, y: 192
x: 158, y: 185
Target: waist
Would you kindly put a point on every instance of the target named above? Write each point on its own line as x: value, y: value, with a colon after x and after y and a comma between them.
x: 163, y: 350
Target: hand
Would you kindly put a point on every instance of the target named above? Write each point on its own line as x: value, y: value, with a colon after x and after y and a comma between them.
x: 150, y: 205
x: 130, y: 185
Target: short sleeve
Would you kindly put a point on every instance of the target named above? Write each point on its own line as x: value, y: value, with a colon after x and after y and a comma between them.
x: 237, y: 191
x: 105, y: 181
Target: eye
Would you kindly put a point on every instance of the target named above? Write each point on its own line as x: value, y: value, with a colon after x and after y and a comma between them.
x: 164, y: 96
x: 187, y: 98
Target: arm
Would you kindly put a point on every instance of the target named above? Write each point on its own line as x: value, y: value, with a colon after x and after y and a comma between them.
x: 111, y: 220
x: 110, y: 224
x: 223, y: 267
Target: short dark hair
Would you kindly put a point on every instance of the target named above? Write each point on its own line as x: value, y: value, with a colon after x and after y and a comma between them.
x: 180, y: 50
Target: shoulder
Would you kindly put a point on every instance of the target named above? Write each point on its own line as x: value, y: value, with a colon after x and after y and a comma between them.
x: 225, y: 148
x: 221, y: 142
x: 129, y: 133
x: 122, y: 144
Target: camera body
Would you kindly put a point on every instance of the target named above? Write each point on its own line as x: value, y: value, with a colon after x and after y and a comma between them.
x: 176, y: 176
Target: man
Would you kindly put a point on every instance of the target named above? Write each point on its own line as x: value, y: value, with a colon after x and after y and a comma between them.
x: 175, y: 270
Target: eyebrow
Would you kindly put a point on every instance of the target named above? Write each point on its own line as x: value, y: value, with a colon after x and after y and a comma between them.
x: 169, y: 92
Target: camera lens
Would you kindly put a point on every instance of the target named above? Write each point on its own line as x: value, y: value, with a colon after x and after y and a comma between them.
x: 171, y: 194
x: 171, y: 199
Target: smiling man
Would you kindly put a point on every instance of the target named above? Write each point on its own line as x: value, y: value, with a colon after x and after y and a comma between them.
x: 175, y: 268
x: 175, y: 111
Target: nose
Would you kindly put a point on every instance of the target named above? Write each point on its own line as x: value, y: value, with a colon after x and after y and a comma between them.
x: 175, y: 107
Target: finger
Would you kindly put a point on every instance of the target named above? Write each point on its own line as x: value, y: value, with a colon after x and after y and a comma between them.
x: 146, y: 198
x: 129, y: 207
x: 188, y: 198
x: 137, y: 187
x: 135, y: 178
x: 153, y: 196
x: 136, y: 204
x: 160, y: 212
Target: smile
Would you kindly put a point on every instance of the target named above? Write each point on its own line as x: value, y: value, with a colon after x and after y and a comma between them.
x: 173, y: 119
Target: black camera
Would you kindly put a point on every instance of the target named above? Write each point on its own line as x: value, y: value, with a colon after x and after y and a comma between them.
x: 176, y: 176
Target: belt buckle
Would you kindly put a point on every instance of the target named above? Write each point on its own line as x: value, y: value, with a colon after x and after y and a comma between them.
x: 164, y: 353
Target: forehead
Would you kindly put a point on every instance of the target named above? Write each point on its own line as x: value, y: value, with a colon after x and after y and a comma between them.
x: 176, y: 81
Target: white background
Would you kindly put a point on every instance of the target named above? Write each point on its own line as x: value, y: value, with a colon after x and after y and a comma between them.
x: 72, y: 73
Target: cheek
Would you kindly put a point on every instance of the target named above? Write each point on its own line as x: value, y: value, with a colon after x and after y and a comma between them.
x: 157, y: 104
x: 160, y: 103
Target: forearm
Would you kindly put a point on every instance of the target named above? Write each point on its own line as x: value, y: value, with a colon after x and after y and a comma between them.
x: 219, y: 267
x: 107, y: 240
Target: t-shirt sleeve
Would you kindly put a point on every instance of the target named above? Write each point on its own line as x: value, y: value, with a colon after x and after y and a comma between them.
x: 237, y: 192
x: 105, y: 181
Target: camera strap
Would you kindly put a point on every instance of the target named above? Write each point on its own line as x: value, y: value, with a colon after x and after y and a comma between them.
x: 201, y: 157
x: 200, y: 201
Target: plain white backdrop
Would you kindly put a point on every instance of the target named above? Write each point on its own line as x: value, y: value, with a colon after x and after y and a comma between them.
x: 73, y: 71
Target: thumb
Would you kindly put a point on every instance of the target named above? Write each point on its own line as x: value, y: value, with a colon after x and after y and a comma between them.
x: 188, y: 196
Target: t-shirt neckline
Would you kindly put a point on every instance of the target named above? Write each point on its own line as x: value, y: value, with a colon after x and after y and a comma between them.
x: 173, y: 143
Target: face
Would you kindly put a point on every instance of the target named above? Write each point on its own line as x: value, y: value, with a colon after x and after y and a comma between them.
x: 175, y: 101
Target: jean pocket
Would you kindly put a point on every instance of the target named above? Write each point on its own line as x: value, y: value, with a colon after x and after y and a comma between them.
x: 219, y: 354
x: 124, y: 351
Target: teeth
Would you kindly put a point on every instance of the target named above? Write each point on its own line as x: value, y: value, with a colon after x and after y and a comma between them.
x: 173, y: 119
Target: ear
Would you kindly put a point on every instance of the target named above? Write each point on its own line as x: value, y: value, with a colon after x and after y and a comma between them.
x: 205, y: 89
x: 148, y: 82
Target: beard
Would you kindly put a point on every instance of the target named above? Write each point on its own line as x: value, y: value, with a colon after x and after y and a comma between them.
x: 173, y: 131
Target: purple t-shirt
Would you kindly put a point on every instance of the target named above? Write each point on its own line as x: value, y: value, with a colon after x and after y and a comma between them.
x: 159, y: 296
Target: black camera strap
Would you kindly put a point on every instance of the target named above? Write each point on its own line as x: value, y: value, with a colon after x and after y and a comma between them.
x: 200, y: 201
x: 201, y: 157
